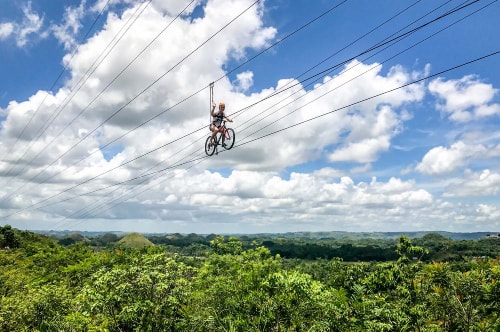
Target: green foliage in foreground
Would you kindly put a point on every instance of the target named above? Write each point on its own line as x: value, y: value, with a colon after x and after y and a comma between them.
x: 48, y: 287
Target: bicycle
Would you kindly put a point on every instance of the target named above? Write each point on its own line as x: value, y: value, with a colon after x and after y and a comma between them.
x: 225, y: 137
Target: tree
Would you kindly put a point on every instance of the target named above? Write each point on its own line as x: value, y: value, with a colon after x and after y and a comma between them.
x: 145, y: 295
x: 460, y: 300
x: 408, y: 252
x: 228, y: 292
x: 221, y: 247
x: 8, y: 238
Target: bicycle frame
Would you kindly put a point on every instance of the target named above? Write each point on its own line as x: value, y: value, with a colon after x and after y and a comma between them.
x: 223, y: 134
x: 223, y: 130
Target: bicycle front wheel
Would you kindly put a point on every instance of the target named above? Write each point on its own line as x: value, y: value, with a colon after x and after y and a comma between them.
x: 228, y: 142
x: 209, y: 148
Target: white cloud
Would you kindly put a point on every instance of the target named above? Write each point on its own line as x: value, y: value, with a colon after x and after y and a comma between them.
x: 248, y: 196
x: 243, y: 81
x: 440, y: 160
x: 101, y: 5
x: 6, y: 29
x: 32, y: 24
x: 71, y: 24
x: 485, y: 183
x: 465, y: 99
x: 173, y: 8
x: 487, y: 110
x: 363, y: 151
x: 361, y: 169
x: 488, y: 212
x: 30, y: 27
x: 370, y: 135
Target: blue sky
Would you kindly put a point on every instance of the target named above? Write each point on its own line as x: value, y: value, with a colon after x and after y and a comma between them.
x: 423, y: 157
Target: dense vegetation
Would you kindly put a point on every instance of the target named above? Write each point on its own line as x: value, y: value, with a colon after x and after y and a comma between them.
x: 348, y: 249
x: 135, y: 283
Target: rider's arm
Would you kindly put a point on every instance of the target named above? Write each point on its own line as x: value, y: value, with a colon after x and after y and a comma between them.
x: 228, y: 118
x: 213, y: 108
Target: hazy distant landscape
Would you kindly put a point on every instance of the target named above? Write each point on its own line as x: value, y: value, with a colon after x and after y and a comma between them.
x: 309, y: 235
x: 348, y: 246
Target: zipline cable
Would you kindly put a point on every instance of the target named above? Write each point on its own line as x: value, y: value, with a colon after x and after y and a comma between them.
x: 130, y: 101
x: 144, y: 154
x: 372, y: 68
x: 331, y: 69
x: 183, y: 100
x: 58, y: 77
x: 372, y: 97
x: 113, y: 200
x: 414, y: 45
x: 192, y: 95
x: 361, y: 74
x: 150, y: 169
x: 342, y: 49
x: 287, y: 36
x: 92, y: 68
x: 147, y: 88
x: 299, y: 123
x: 113, y: 80
x: 378, y: 45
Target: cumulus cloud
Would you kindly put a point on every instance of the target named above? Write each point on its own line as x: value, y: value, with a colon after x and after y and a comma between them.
x: 173, y: 8
x: 363, y: 151
x: 243, y: 81
x: 488, y: 212
x: 440, y: 160
x: 465, y: 99
x: 249, y: 197
x: 485, y: 183
x: 370, y: 135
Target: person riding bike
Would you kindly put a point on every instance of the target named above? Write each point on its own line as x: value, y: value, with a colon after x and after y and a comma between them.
x: 217, y: 118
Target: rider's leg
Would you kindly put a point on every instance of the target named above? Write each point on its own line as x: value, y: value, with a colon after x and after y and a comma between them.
x: 214, y: 130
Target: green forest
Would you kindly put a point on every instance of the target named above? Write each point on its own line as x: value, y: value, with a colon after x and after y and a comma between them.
x: 175, y: 282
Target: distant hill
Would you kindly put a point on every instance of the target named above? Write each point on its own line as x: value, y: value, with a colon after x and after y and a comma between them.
x: 304, y: 235
x: 135, y: 240
x: 77, y: 237
x: 86, y: 234
x: 371, y: 235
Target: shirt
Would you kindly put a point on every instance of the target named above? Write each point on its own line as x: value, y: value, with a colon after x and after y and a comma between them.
x: 218, y: 117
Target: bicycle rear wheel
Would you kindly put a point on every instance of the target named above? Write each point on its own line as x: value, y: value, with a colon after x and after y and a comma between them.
x: 228, y: 142
x: 209, y: 150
